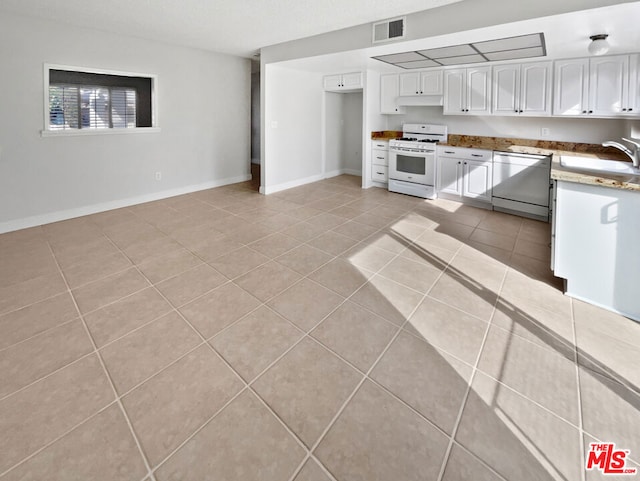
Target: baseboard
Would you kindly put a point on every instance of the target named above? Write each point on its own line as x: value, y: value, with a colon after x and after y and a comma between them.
x: 307, y: 180
x: 272, y: 189
x: 335, y: 173
x: 57, y: 216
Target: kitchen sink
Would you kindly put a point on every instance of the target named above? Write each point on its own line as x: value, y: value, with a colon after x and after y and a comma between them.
x: 598, y: 165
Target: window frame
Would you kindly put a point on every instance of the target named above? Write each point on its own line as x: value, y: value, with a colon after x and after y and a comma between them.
x: 48, y: 132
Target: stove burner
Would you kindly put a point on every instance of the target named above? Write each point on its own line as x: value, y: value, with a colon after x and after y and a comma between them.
x: 431, y: 141
x: 413, y: 139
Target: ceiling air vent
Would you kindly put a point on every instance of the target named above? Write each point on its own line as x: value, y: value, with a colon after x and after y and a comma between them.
x: 388, y: 30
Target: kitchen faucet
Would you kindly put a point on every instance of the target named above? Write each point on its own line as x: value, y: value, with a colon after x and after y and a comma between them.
x: 634, y: 154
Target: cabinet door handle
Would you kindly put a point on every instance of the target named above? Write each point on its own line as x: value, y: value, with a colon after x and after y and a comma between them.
x: 459, y: 163
x: 629, y: 110
x: 381, y: 158
x: 380, y: 173
x: 590, y: 111
x: 476, y: 155
x: 465, y: 163
x: 416, y: 92
x: 584, y: 111
x: 624, y: 110
x: 449, y: 152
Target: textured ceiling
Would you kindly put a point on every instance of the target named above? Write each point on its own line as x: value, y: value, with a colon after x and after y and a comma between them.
x: 238, y: 27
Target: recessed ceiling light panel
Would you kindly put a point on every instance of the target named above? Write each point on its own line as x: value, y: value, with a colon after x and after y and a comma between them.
x: 426, y: 63
x: 511, y: 43
x: 477, y: 58
x: 454, y: 51
x: 400, y: 57
x: 511, y: 48
x: 516, y: 54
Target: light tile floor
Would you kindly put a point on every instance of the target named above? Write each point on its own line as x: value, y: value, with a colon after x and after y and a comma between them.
x: 322, y: 333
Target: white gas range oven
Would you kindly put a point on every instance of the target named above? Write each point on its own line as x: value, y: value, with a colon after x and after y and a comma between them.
x: 412, y: 160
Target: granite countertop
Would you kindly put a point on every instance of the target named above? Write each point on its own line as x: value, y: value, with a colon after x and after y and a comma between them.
x: 386, y: 134
x: 546, y: 147
x: 556, y: 149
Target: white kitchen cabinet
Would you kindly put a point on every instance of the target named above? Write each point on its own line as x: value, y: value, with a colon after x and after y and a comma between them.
x: 465, y: 175
x: 380, y: 160
x: 389, y: 92
x: 477, y: 180
x: 596, y: 245
x: 522, y: 89
x: 571, y: 87
x: 633, y: 107
x: 608, y: 85
x: 467, y: 91
x: 343, y: 82
x: 449, y: 177
x: 597, y: 87
x: 421, y: 83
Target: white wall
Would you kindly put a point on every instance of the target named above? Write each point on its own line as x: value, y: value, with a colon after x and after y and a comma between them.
x: 255, y: 117
x: 334, y: 107
x: 203, y: 112
x: 453, y: 18
x: 561, y: 129
x: 352, y: 133
x: 343, y: 133
x: 293, y: 120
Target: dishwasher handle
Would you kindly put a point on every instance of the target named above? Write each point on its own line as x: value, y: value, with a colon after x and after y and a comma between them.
x: 519, y: 154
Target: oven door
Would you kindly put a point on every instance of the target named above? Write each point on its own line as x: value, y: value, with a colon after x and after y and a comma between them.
x: 417, y: 167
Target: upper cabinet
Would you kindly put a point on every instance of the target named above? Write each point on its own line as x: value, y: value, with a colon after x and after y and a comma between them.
x: 597, y: 87
x: 389, y: 91
x: 343, y: 82
x: 421, y: 83
x: 571, y: 87
x: 522, y: 89
x: 467, y: 91
x: 604, y: 87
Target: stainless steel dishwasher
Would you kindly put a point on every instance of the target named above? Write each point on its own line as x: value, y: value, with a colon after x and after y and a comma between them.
x: 521, y: 184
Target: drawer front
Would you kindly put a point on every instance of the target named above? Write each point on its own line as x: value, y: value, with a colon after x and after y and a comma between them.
x: 379, y: 173
x: 380, y: 144
x: 479, y: 155
x: 380, y: 157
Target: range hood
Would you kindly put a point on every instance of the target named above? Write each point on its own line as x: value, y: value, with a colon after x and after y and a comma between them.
x: 420, y: 100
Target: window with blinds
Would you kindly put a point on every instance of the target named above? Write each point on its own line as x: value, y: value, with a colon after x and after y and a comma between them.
x: 91, y: 107
x: 80, y: 100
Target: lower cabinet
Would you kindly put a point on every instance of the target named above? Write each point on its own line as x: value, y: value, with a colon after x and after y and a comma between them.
x: 465, y: 175
x: 380, y: 161
x: 596, y: 243
x: 477, y: 180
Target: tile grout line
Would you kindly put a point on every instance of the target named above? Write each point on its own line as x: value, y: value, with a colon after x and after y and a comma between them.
x: 58, y: 438
x: 366, y: 376
x: 210, y: 347
x: 581, y: 432
x: 465, y: 398
x: 110, y: 380
x: 247, y: 385
x: 63, y: 323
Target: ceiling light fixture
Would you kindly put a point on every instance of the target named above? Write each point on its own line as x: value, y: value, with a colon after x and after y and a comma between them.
x: 599, y: 44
